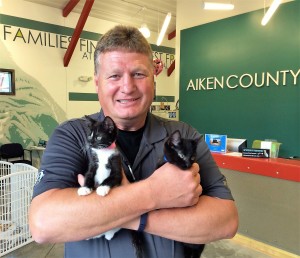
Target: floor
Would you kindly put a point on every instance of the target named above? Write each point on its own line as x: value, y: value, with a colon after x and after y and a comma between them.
x: 219, y: 249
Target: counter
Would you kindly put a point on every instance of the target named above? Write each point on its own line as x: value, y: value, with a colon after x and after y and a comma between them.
x: 285, y: 169
x: 267, y: 194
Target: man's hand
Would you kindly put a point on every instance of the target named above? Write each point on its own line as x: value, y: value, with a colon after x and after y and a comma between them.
x: 172, y: 187
x: 80, y: 178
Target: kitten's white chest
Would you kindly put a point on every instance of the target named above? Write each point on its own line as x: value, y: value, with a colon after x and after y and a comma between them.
x: 103, y: 156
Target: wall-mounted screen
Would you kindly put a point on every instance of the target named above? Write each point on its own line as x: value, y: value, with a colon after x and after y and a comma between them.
x: 7, y: 81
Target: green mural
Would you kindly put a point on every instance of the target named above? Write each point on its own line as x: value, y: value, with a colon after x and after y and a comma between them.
x: 30, y: 115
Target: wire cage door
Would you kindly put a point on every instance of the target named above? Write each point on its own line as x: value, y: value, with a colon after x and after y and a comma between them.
x: 15, y: 196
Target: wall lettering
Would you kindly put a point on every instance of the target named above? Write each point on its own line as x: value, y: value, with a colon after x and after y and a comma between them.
x: 48, y: 39
x: 40, y: 38
x: 245, y: 81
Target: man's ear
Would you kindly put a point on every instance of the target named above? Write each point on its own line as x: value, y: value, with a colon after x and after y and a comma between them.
x: 96, y: 81
x: 154, y: 88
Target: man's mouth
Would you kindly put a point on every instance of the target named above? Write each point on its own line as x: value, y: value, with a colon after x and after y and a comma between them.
x: 124, y: 101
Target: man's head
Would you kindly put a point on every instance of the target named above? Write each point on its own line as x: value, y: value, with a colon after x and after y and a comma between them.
x: 124, y: 76
x: 122, y: 37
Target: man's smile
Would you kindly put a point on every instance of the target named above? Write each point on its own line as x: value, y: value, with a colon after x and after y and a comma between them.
x: 127, y: 100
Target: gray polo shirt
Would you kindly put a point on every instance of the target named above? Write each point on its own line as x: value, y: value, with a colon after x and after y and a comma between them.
x: 65, y: 157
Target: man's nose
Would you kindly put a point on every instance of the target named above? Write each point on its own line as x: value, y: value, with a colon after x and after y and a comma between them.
x: 128, y: 84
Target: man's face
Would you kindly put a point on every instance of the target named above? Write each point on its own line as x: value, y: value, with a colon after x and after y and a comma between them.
x: 125, y: 86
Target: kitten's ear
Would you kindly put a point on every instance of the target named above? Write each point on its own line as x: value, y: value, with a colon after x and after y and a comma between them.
x: 175, y: 138
x: 91, y: 120
x: 196, y: 141
x: 108, y: 124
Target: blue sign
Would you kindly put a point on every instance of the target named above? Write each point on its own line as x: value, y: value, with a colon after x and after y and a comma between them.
x: 216, y: 142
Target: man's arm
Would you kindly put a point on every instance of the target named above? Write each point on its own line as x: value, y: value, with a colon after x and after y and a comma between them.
x: 60, y: 215
x: 209, y: 220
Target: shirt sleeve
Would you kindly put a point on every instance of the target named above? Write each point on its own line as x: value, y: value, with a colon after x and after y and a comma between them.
x: 64, y: 158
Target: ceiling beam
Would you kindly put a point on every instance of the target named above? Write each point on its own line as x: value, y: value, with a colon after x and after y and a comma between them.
x: 172, y: 35
x: 69, y: 7
x: 79, y: 27
x: 171, y: 68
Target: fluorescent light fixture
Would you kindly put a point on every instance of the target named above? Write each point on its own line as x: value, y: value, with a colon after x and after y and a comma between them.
x: 145, y: 30
x: 163, y: 29
x: 217, y: 6
x: 270, y: 12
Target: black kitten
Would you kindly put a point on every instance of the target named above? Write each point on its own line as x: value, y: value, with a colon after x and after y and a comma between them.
x: 105, y: 167
x: 182, y: 153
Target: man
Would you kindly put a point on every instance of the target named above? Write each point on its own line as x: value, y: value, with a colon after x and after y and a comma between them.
x: 172, y: 206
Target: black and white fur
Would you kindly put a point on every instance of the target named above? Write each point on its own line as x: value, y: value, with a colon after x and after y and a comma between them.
x: 105, y: 167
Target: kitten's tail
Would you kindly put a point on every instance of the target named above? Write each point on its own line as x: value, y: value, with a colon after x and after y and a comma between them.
x: 138, y: 242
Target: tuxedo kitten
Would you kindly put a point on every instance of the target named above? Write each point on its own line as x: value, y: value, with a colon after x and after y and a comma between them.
x: 181, y: 152
x: 105, y: 168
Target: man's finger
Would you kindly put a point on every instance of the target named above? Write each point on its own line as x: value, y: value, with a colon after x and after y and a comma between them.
x: 80, y: 178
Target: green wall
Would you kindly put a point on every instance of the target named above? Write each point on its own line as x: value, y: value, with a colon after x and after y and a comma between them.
x: 237, y: 49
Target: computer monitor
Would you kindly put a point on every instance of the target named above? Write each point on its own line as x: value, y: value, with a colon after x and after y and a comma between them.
x: 42, y: 143
x: 236, y: 145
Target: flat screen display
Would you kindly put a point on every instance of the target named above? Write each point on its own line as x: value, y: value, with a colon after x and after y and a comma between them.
x: 7, y: 81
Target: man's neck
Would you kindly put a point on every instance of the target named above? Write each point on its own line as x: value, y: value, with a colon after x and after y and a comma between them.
x: 130, y: 124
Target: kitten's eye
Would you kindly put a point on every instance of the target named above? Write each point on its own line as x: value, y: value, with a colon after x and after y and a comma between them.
x: 90, y: 136
x: 181, y: 155
x: 98, y: 138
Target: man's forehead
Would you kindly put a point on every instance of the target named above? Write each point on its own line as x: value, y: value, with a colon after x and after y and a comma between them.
x: 117, y: 58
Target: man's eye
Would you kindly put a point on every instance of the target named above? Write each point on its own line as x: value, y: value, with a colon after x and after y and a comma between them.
x: 139, y: 75
x: 114, y: 76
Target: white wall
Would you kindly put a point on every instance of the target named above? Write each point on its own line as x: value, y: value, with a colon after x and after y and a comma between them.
x: 43, y: 83
x: 47, y: 64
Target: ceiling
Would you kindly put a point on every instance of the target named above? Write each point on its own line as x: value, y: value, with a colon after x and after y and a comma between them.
x: 128, y: 12
x: 136, y: 12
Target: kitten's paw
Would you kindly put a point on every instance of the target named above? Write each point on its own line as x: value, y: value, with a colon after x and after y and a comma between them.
x: 103, y: 190
x: 84, y: 190
x: 110, y: 234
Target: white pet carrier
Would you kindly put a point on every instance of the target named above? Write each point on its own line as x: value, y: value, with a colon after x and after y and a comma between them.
x: 16, y: 185
x: 5, y: 168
